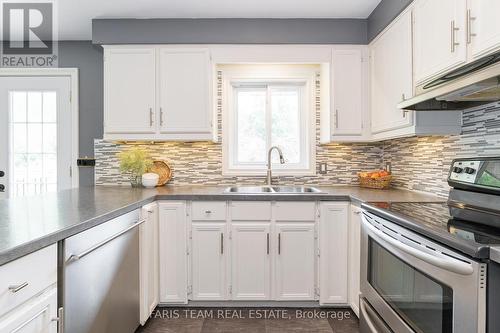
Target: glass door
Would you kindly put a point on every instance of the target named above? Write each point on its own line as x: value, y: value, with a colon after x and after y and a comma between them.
x: 424, y: 303
x: 35, y: 141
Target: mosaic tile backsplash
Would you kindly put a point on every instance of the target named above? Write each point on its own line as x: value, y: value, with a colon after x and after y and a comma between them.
x: 418, y: 163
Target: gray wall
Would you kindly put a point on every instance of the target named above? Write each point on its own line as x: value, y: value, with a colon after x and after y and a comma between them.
x: 386, y: 11
x: 88, y: 59
x: 229, y: 31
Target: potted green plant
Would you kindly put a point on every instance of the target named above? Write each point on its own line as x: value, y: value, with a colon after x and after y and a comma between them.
x: 135, y: 162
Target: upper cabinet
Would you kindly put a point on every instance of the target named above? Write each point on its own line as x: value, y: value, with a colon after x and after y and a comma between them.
x: 450, y: 33
x: 483, y: 27
x: 157, y: 93
x: 391, y: 76
x: 439, y: 37
x: 185, y: 100
x: 129, y: 90
x: 345, y: 95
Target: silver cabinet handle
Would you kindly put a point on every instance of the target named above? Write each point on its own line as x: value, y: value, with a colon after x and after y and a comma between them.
x: 151, y: 117
x: 267, y: 243
x: 336, y: 118
x: 279, y: 243
x: 221, y: 243
x: 446, y: 263
x: 208, y: 212
x: 470, y: 34
x: 161, y: 116
x: 14, y: 289
x: 60, y: 320
x: 75, y: 257
x: 357, y: 212
x: 454, y: 43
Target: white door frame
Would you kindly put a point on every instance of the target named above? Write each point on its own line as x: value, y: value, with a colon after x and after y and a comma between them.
x: 72, y: 73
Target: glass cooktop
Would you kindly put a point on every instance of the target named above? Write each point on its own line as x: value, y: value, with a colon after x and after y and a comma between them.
x: 436, y: 217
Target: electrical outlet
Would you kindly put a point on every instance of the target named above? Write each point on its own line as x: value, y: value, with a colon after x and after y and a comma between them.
x: 322, y: 168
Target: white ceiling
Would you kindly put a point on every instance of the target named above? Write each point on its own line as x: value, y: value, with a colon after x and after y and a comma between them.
x: 75, y: 15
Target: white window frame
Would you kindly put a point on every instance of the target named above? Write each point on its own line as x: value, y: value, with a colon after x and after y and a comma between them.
x: 269, y: 77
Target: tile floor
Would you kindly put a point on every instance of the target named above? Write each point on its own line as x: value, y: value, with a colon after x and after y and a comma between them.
x: 244, y: 320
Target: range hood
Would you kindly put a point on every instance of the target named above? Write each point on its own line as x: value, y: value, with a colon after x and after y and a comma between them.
x: 469, y: 86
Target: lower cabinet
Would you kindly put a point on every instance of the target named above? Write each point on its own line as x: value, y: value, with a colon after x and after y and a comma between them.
x: 295, y: 266
x: 173, y: 252
x: 333, y: 240
x: 149, y: 261
x: 39, y: 315
x: 251, y: 261
x: 354, y: 258
x: 253, y: 251
x: 209, y: 260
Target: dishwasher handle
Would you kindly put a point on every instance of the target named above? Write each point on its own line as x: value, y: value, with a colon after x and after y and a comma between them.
x: 76, y: 257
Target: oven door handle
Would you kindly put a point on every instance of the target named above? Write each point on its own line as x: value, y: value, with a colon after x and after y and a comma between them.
x: 449, y: 264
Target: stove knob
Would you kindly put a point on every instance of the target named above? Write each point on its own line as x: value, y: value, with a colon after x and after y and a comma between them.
x: 469, y: 171
x: 458, y: 169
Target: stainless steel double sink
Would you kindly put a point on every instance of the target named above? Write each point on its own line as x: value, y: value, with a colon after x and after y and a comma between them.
x: 272, y: 190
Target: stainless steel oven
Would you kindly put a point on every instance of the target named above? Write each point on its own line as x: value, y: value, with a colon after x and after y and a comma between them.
x: 411, y: 284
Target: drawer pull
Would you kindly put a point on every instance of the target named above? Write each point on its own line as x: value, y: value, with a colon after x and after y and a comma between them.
x: 16, y: 288
x: 208, y: 212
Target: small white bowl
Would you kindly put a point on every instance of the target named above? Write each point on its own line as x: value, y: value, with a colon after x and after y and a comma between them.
x: 150, y: 180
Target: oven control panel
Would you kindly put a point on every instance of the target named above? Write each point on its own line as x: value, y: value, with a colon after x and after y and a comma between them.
x: 465, y: 171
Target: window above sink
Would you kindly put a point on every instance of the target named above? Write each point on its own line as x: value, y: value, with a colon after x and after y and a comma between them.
x: 265, y: 106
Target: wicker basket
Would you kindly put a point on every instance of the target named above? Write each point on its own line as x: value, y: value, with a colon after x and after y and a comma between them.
x: 163, y: 170
x: 380, y: 183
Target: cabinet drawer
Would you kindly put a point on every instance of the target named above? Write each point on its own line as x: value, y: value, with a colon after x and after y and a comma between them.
x: 209, y: 210
x: 36, y: 271
x: 251, y: 211
x: 295, y: 211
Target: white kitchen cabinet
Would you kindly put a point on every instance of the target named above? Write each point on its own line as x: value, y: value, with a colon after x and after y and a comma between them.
x: 129, y: 91
x: 173, y: 252
x: 250, y: 261
x: 347, y: 97
x: 392, y: 81
x: 38, y: 315
x: 209, y: 248
x: 185, y: 92
x: 333, y: 245
x: 391, y: 75
x: 483, y: 31
x: 295, y: 261
x: 439, y: 37
x: 354, y: 258
x: 149, y: 261
x: 158, y: 93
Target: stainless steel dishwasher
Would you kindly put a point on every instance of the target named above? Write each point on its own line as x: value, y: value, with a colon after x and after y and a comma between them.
x: 100, y: 288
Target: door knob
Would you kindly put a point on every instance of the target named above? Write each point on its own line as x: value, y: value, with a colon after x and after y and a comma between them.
x: 2, y: 173
x: 2, y: 187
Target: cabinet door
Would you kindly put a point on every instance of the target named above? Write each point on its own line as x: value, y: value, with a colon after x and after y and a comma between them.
x: 149, y: 261
x: 333, y: 240
x: 439, y: 37
x: 129, y: 90
x: 208, y: 260
x: 185, y: 94
x: 354, y: 258
x: 392, y: 80
x: 173, y: 252
x: 36, y: 316
x: 347, y: 85
x: 295, y: 261
x: 483, y: 31
x: 250, y: 261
